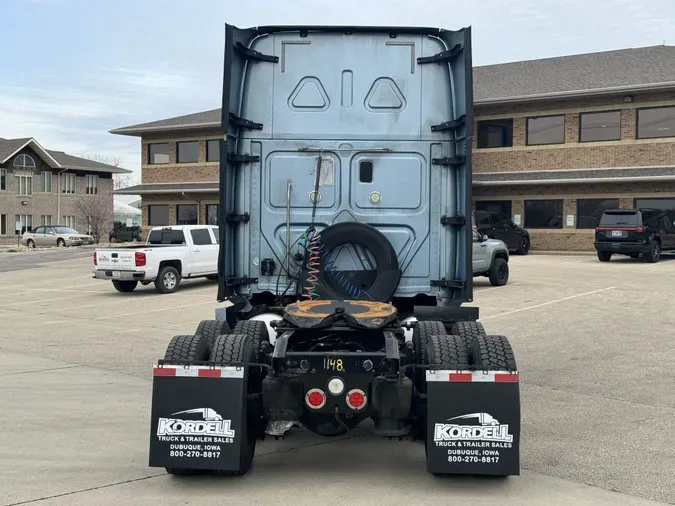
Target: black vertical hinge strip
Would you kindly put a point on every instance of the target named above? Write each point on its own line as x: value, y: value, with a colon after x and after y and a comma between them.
x: 244, y: 123
x: 449, y: 126
x: 252, y: 55
x: 448, y: 161
x: 443, y: 56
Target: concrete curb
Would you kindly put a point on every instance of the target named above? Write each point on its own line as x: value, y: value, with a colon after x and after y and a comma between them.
x: 561, y: 253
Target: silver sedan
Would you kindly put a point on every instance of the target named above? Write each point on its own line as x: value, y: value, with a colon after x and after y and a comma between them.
x: 55, y: 236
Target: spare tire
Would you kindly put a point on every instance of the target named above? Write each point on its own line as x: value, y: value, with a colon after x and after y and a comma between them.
x: 388, y: 274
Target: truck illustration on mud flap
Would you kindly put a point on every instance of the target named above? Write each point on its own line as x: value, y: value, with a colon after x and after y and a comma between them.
x: 345, y: 259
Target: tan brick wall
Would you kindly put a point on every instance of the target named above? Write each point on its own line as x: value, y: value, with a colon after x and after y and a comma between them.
x: 570, y: 238
x: 47, y: 204
x: 573, y: 154
x: 174, y: 172
x: 172, y: 200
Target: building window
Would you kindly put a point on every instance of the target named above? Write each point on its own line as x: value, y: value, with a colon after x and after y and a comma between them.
x: 495, y: 133
x: 68, y: 183
x: 589, y: 211
x: 68, y: 221
x: 501, y: 208
x: 662, y: 204
x: 212, y: 214
x: 186, y: 214
x: 24, y: 162
x: 46, y: 219
x: 92, y: 184
x: 158, y: 153
x: 158, y: 215
x: 546, y: 130
x: 213, y: 150
x: 3, y: 179
x: 25, y: 223
x: 24, y: 186
x: 46, y: 182
x: 600, y: 126
x: 656, y: 122
x: 187, y: 152
x: 543, y: 213
x: 3, y: 224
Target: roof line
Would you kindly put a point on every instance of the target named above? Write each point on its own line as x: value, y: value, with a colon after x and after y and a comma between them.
x: 175, y: 190
x: 131, y: 130
x: 44, y: 151
x: 577, y: 170
x: 575, y: 93
x: 524, y: 182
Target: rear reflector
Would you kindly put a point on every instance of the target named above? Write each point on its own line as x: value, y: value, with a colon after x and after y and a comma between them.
x: 473, y: 376
x: 195, y: 371
x: 95, y: 261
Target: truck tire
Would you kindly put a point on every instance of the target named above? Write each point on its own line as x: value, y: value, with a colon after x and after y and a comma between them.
x: 654, y: 252
x: 468, y: 331
x: 125, y: 286
x: 168, y: 279
x: 447, y: 352
x: 604, y: 256
x: 492, y: 353
x: 421, y: 333
x: 524, y: 246
x: 256, y: 330
x: 186, y: 347
x: 211, y: 329
x: 499, y: 272
x: 236, y: 348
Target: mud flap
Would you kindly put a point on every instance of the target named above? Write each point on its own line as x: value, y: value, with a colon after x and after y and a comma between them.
x: 198, y: 417
x: 473, y: 422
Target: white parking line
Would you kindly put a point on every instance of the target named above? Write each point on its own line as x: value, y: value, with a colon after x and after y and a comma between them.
x: 156, y: 310
x: 123, y: 300
x: 46, y: 300
x: 548, y: 303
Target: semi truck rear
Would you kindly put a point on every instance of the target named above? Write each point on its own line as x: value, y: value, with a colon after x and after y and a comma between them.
x: 345, y: 258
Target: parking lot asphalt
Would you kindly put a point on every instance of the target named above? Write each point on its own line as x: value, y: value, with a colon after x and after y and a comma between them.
x: 592, y: 341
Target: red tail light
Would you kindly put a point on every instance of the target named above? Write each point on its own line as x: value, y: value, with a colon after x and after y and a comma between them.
x: 95, y: 263
x: 597, y: 228
x: 139, y: 257
x: 356, y: 399
x: 640, y: 229
x: 315, y: 398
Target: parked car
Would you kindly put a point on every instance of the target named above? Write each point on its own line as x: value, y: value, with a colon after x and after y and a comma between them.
x: 634, y: 232
x: 169, y: 255
x: 498, y: 226
x: 55, y: 235
x: 126, y: 234
x: 490, y: 258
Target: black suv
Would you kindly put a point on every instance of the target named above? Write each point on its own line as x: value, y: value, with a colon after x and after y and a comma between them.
x: 498, y: 226
x: 634, y: 232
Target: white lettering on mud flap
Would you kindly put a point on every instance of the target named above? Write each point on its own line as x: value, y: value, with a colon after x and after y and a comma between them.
x: 212, y: 429
x: 473, y: 443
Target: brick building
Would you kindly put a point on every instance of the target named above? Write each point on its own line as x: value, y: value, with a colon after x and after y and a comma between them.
x: 556, y: 141
x: 39, y: 186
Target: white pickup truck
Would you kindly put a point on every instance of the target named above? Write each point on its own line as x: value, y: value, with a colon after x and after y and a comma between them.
x: 170, y: 254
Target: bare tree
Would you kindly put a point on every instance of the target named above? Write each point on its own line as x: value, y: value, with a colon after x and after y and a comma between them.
x: 97, y: 213
x: 119, y: 180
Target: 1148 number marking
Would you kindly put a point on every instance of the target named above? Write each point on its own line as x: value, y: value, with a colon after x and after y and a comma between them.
x: 332, y: 364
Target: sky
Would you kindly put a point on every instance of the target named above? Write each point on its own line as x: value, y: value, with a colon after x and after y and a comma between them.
x: 75, y: 69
